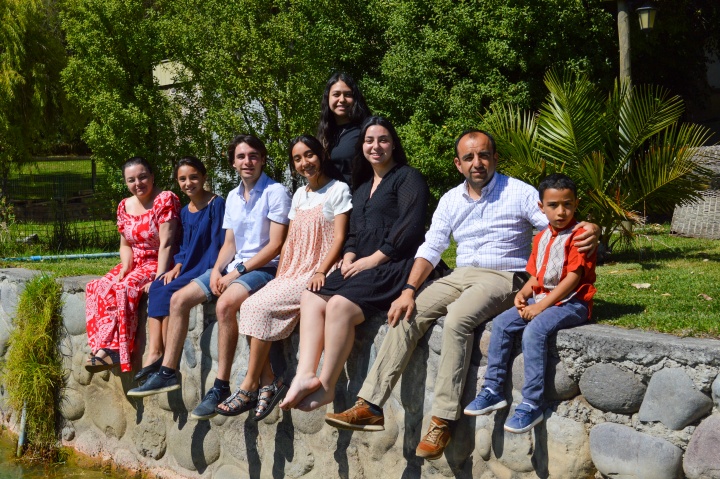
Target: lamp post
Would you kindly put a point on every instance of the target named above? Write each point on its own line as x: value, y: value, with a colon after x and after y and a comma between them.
x: 646, y: 16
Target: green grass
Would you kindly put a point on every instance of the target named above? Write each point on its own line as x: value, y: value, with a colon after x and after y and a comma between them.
x: 45, y: 179
x: 65, y: 268
x: 33, y: 373
x: 682, y: 272
x: 679, y: 270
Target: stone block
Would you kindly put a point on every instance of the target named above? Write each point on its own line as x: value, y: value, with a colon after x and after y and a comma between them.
x: 610, y: 388
x: 189, y: 355
x: 106, y: 411
x: 620, y: 451
x: 150, y: 436
x: 672, y: 399
x: 195, y: 446
x: 702, y: 457
x: 568, y: 448
x: 514, y: 451
x: 73, y: 313
x: 72, y: 405
x: 716, y: 391
x: 231, y: 471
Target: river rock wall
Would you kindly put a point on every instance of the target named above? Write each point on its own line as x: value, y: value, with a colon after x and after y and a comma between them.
x: 625, y: 404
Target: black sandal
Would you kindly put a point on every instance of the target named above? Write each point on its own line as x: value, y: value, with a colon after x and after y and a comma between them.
x: 265, y: 404
x: 103, y: 365
x: 236, y: 405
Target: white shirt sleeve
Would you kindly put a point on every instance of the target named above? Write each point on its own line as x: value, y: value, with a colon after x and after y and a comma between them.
x: 339, y: 200
x: 437, y: 238
x: 278, y: 204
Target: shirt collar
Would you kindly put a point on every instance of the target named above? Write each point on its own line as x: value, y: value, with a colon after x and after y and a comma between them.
x: 487, y: 189
x: 259, y: 185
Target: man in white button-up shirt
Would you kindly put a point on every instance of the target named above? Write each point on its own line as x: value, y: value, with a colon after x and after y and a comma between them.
x: 255, y: 224
x: 491, y: 217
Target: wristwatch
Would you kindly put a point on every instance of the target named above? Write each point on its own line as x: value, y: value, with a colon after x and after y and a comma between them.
x: 240, y: 267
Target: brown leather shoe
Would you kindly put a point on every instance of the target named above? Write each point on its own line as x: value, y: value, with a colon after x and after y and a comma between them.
x: 433, y: 443
x: 357, y: 418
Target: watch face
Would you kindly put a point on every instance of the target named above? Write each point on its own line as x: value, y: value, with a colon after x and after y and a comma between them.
x: 241, y: 268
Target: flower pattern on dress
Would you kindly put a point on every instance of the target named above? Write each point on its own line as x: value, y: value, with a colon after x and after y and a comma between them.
x: 111, y: 305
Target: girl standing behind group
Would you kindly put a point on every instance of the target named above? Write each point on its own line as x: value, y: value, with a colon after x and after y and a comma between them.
x: 202, y: 238
x: 342, y: 111
x: 318, y: 223
x: 146, y: 222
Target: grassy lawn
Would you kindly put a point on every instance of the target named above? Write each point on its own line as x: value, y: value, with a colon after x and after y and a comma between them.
x: 67, y: 267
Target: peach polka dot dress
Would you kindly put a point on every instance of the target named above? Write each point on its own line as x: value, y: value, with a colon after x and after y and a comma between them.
x: 272, y: 313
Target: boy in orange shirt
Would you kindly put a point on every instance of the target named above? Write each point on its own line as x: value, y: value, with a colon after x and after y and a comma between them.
x: 557, y: 296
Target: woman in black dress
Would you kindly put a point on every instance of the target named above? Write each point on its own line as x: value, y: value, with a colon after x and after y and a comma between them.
x: 342, y: 111
x: 387, y: 226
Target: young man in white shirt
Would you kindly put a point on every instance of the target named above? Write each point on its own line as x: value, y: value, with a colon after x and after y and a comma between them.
x: 491, y: 217
x: 255, y: 224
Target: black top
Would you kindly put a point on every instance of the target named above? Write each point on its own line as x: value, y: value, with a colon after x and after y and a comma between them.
x: 392, y: 221
x: 343, y: 150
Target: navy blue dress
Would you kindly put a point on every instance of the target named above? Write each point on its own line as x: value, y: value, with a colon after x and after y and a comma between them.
x: 202, y: 238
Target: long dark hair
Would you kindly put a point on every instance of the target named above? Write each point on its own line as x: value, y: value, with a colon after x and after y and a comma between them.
x: 326, y: 166
x: 361, y: 169
x: 327, y: 127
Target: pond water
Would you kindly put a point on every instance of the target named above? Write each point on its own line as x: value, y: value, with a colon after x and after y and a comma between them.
x: 11, y: 469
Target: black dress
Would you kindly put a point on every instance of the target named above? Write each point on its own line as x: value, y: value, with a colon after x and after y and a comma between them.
x: 392, y: 221
x: 342, y: 151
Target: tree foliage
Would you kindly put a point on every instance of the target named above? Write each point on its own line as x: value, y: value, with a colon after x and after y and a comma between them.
x: 31, y: 99
x: 627, y: 150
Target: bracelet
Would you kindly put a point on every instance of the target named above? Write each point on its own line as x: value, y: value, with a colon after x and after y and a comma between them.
x: 409, y: 286
x: 320, y: 272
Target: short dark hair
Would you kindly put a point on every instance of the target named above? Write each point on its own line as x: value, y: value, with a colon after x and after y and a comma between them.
x: 251, y: 140
x: 192, y: 162
x: 473, y: 132
x: 556, y: 181
x: 361, y: 169
x: 326, y: 166
x: 137, y: 160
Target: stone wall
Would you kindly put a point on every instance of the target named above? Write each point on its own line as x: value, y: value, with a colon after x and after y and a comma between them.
x: 625, y: 404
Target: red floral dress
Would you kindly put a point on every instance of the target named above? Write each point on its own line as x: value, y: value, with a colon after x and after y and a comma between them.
x: 111, y: 305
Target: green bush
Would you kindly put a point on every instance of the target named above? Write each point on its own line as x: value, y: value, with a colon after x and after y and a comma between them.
x: 33, y: 373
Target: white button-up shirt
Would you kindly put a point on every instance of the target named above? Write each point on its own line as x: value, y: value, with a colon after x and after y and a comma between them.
x: 250, y: 220
x: 493, y: 232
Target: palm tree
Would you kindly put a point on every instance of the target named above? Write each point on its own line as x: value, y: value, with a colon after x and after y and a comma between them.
x: 627, y: 150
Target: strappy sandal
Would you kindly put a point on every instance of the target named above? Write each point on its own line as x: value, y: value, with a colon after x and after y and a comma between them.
x: 98, y: 364
x: 265, y: 404
x: 236, y: 405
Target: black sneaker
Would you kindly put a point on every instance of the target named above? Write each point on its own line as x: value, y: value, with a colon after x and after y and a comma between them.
x: 206, y: 409
x: 157, y: 383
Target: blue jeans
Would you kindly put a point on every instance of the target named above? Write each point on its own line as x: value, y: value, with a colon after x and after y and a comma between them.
x: 535, y: 335
x: 252, y: 281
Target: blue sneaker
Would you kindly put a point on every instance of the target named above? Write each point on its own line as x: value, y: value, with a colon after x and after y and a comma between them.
x: 485, y: 403
x: 524, y: 419
x: 206, y: 409
x: 157, y: 383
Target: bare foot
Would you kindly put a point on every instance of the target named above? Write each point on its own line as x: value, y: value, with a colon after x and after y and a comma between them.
x: 319, y: 398
x: 301, y: 386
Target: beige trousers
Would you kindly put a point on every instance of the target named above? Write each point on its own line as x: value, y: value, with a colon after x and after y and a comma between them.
x: 467, y: 298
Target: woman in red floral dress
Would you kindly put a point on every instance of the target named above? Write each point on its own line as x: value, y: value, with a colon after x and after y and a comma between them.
x: 147, y: 221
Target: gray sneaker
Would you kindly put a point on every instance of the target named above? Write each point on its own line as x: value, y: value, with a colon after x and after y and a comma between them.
x: 206, y: 409
x: 157, y: 383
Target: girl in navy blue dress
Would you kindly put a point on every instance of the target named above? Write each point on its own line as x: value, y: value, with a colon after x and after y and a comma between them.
x: 202, y: 238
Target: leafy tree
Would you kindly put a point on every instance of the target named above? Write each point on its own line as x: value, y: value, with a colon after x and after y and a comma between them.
x: 31, y: 100
x: 113, y: 47
x: 260, y: 67
x: 447, y: 61
x: 627, y: 150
